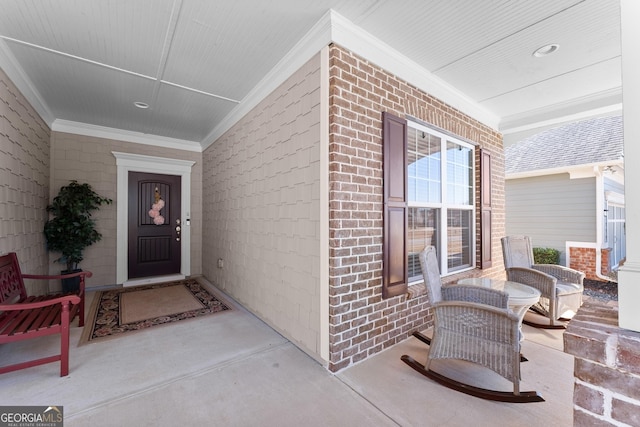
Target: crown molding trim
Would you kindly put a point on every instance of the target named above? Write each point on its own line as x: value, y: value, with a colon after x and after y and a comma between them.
x: 124, y: 135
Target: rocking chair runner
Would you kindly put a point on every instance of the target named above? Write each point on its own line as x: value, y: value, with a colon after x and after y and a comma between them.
x: 474, y: 324
x: 561, y: 287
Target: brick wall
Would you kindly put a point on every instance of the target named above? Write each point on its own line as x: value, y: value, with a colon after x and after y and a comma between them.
x: 24, y: 182
x: 605, y: 268
x: 584, y: 259
x: 262, y: 209
x: 89, y: 159
x: 361, y: 322
x: 607, y: 368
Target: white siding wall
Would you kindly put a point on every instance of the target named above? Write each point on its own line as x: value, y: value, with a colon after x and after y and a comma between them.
x: 261, y: 209
x: 552, y: 210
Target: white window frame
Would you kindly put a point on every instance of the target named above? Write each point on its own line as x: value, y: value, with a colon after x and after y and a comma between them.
x: 612, y: 202
x: 443, y: 205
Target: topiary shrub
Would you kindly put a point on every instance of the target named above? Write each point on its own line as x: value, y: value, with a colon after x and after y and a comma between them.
x: 546, y: 256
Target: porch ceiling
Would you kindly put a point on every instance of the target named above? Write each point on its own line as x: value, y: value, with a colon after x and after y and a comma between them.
x: 199, y: 64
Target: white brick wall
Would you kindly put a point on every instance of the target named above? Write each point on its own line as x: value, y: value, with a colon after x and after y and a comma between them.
x: 261, y: 209
x: 24, y: 182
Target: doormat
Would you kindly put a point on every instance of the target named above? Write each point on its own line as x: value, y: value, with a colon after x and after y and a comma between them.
x: 118, y: 311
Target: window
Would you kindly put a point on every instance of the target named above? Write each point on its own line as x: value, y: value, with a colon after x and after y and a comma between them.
x: 428, y: 199
x: 440, y: 199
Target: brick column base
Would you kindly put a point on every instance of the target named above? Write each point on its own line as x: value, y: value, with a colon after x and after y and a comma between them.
x: 606, y: 369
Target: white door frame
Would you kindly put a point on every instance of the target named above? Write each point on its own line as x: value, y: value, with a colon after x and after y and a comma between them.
x: 140, y: 163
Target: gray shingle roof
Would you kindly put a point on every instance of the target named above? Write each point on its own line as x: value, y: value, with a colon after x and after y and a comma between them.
x: 580, y: 143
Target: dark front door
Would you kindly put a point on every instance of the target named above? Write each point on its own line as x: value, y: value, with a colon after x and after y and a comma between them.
x: 154, y: 224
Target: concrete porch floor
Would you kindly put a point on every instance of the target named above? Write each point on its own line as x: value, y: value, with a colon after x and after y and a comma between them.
x: 232, y: 369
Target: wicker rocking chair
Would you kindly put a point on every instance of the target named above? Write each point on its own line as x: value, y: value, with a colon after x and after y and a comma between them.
x: 561, y: 287
x: 474, y: 324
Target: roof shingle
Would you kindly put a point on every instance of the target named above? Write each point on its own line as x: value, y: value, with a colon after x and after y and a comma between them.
x: 580, y: 143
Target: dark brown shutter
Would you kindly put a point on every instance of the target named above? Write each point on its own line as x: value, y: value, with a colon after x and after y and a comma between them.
x: 394, y: 246
x: 485, y: 209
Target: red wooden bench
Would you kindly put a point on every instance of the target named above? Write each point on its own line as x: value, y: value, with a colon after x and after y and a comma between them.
x: 24, y: 317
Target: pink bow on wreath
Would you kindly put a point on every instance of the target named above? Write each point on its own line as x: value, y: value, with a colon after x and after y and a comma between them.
x: 155, y: 209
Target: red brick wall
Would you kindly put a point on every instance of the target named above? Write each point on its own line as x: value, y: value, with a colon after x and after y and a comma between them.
x: 361, y: 322
x: 584, y: 259
x: 605, y: 268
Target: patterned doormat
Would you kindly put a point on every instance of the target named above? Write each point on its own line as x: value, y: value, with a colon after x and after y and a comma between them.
x: 118, y: 311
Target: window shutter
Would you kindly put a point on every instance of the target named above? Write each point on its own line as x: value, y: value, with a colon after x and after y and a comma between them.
x: 485, y: 209
x: 394, y: 246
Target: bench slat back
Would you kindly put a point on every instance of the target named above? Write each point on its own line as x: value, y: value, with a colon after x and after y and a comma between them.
x: 11, y: 284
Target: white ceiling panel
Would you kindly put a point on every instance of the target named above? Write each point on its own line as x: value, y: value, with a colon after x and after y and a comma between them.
x: 84, y: 92
x: 119, y: 33
x: 601, y: 78
x: 239, y: 42
x: 227, y: 61
x: 436, y: 33
x: 186, y: 115
x: 585, y: 38
x: 200, y: 64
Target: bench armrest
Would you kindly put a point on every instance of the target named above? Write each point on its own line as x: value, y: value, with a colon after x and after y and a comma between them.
x: 82, y: 274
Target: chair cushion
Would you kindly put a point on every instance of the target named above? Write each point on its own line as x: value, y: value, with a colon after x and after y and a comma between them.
x: 565, y: 288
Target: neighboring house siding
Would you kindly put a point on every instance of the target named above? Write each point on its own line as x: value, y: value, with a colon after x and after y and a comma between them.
x: 90, y: 159
x: 552, y: 210
x: 24, y: 182
x: 362, y: 323
x: 262, y: 213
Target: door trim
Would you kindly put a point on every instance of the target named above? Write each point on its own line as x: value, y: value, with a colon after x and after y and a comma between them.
x: 126, y: 162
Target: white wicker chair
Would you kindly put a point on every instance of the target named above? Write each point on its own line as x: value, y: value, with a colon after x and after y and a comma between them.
x: 561, y: 287
x: 474, y: 324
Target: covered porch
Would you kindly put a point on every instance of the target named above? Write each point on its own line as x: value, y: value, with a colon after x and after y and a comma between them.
x: 233, y: 369
x: 237, y: 370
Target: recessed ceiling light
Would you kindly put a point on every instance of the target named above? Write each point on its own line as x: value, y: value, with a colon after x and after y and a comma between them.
x: 546, y: 50
x: 142, y: 105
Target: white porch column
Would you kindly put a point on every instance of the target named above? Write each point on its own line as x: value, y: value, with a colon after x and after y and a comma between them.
x: 629, y: 274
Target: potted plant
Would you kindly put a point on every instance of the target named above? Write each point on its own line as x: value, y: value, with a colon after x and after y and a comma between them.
x: 72, y: 228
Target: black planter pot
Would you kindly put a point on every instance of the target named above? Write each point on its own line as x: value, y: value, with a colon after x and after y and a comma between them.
x: 71, y: 284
